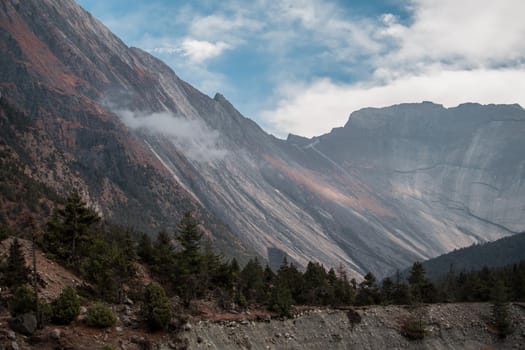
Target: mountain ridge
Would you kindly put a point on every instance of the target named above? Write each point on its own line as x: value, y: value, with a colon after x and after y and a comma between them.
x: 388, y: 188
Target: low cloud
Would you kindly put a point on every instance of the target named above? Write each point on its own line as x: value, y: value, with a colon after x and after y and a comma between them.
x: 191, y: 137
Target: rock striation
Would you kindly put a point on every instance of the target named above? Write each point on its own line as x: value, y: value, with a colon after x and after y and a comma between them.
x: 393, y: 185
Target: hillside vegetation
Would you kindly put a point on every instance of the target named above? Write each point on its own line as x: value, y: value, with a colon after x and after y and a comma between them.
x: 502, y: 252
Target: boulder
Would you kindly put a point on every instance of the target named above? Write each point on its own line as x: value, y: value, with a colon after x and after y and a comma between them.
x: 24, y: 324
x: 55, y: 334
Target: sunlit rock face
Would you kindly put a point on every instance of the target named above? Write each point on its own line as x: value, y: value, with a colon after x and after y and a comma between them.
x: 393, y: 185
x: 450, y: 177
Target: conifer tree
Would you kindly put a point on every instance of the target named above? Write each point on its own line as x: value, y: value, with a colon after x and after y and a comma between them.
x: 281, y: 300
x: 189, y: 263
x: 189, y: 237
x: 252, y: 283
x: 145, y: 249
x: 16, y: 272
x: 387, y: 291
x: 289, y: 275
x: 70, y: 228
x: 316, y: 289
x: 156, y: 309
x: 421, y: 289
x: 163, y: 258
x: 368, y: 292
x: 268, y: 276
x: 234, y: 272
x: 500, y: 309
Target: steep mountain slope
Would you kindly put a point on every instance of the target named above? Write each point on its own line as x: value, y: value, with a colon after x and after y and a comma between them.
x: 447, y: 177
x: 57, y: 64
x: 394, y: 185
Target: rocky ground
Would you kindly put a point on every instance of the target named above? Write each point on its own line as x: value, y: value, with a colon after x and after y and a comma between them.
x: 447, y: 326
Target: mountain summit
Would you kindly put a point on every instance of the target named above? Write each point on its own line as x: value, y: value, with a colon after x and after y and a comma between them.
x: 81, y: 109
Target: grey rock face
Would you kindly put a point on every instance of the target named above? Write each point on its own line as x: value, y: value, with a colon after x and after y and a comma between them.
x: 392, y: 186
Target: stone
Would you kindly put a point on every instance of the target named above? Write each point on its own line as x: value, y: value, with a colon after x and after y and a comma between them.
x: 137, y: 339
x: 83, y: 310
x: 118, y: 329
x: 14, y: 346
x: 24, y: 324
x: 126, y: 321
x: 187, y: 327
x: 55, y: 334
x: 11, y: 335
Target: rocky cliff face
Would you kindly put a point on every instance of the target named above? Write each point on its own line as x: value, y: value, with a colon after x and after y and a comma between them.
x: 447, y: 326
x: 394, y: 185
x: 59, y: 66
x: 440, y: 178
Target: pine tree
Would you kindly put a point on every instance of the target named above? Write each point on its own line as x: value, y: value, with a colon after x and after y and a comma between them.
x: 421, y: 289
x: 289, y: 275
x: 70, y: 229
x: 268, y: 276
x: 163, y: 258
x: 145, y: 249
x: 252, y: 282
x: 281, y: 300
x: 189, y: 237
x: 189, y: 261
x: 387, y: 291
x: 500, y: 309
x: 344, y: 293
x: 368, y: 292
x: 214, y: 272
x: 156, y: 309
x: 234, y: 272
x: 16, y: 273
x: 316, y: 288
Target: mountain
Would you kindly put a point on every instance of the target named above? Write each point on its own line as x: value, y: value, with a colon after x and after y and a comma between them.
x: 82, y: 110
x: 500, y: 253
x: 428, y: 178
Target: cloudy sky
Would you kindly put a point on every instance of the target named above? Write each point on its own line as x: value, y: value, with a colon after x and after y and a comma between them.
x: 303, y: 66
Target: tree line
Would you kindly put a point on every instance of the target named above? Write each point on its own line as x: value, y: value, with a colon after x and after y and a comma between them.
x: 185, y: 265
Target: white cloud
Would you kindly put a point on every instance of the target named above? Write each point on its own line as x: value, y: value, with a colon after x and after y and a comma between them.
x: 446, y: 51
x: 192, y: 137
x: 469, y: 32
x: 199, y: 51
x: 217, y: 26
x: 312, y: 109
x: 450, y: 52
